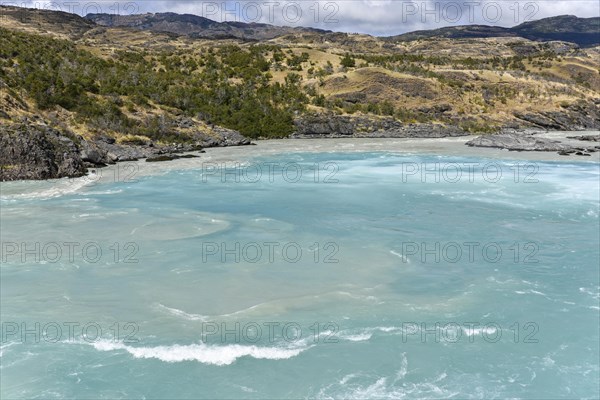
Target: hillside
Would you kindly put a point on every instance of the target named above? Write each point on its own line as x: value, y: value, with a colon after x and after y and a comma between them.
x: 125, y: 93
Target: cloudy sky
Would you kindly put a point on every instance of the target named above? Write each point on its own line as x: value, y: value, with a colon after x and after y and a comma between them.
x: 377, y: 17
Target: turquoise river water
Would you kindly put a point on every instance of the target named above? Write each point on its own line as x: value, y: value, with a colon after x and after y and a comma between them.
x: 297, y: 274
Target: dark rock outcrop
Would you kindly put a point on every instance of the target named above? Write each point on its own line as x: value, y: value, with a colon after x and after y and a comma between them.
x: 574, y: 117
x: 228, y: 137
x: 109, y: 152
x: 38, y: 152
x: 538, y: 120
x: 523, y: 141
x: 518, y: 142
x: 340, y: 126
x: 169, y: 157
x: 92, y: 154
x: 29, y: 152
x: 586, y: 138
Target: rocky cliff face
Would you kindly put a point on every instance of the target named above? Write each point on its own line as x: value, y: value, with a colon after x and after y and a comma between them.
x: 574, y: 117
x: 105, y: 150
x: 339, y: 126
x: 528, y: 141
x: 37, y: 152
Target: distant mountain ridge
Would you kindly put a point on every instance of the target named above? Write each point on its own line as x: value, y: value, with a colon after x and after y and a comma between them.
x: 584, y: 32
x: 567, y: 28
x: 197, y: 26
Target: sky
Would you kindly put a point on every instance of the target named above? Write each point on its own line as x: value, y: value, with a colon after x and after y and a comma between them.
x: 375, y: 17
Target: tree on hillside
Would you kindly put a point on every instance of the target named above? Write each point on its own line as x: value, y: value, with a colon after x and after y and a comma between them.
x: 348, y: 61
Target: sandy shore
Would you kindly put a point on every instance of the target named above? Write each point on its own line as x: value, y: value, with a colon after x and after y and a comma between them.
x: 231, y: 156
x: 452, y: 147
x: 445, y: 146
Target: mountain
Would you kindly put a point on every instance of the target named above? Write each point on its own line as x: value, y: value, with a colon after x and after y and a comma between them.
x: 454, y: 32
x: 34, y: 20
x: 124, y: 88
x: 196, y: 26
x: 567, y: 28
x: 584, y: 32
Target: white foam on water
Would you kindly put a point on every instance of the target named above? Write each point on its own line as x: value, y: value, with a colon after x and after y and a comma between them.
x: 103, y: 192
x: 384, y: 387
x: 359, y: 337
x: 348, y: 378
x: 198, y: 317
x: 403, y: 368
x: 268, y: 308
x: 401, y: 256
x: 594, y: 293
x: 351, y: 295
x: 6, y: 346
x: 42, y: 190
x: 22, y: 357
x: 182, y: 314
x: 185, y: 226
x: 376, y: 390
x: 548, y: 361
x: 478, y: 331
x: 531, y: 291
x: 246, y: 389
x: 576, y: 184
x: 245, y: 310
x: 388, y: 328
x: 203, y: 353
x: 101, y: 215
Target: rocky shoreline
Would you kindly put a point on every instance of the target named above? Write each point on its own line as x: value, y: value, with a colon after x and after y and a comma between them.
x: 342, y: 126
x: 513, y: 138
x: 39, y: 152
x: 528, y: 141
